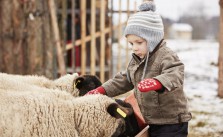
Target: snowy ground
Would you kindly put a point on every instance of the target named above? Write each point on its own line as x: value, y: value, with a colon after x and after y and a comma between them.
x: 201, y: 75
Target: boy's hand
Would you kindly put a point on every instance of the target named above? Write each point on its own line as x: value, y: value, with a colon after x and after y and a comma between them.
x: 99, y: 90
x: 147, y: 85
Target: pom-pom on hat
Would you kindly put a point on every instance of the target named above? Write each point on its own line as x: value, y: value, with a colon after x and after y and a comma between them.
x: 147, y: 24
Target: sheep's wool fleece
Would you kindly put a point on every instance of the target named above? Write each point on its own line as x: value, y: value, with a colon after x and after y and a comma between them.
x: 34, y: 83
x: 55, y: 113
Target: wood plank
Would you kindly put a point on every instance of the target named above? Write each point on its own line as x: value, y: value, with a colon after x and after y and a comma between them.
x: 97, y: 34
x: 63, y: 23
x: 110, y: 59
x: 143, y: 133
x: 73, y: 56
x: 83, y: 36
x: 220, y: 59
x: 102, y: 49
x: 60, y: 56
x: 127, y: 44
x: 124, y: 11
x: 87, y: 39
x: 93, y: 41
x: 88, y: 69
x: 119, y: 39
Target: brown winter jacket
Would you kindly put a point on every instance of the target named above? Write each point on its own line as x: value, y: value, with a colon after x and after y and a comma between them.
x: 169, y: 107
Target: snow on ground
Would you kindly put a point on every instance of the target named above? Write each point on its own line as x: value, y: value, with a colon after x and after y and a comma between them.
x: 201, y: 75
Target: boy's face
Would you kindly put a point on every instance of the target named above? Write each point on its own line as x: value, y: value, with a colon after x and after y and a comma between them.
x: 139, y: 45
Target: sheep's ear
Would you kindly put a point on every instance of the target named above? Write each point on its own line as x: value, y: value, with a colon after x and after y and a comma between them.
x: 123, y: 104
x: 78, y: 82
x: 117, y: 111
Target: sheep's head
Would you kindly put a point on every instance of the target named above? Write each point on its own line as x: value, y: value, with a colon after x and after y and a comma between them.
x: 77, y: 85
x: 86, y: 83
x: 124, y: 111
x: 65, y: 83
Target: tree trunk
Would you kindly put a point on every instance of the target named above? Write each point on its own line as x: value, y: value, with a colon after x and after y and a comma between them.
x: 220, y: 60
x: 26, y: 39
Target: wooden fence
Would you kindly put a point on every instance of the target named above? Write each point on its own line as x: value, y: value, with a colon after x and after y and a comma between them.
x: 100, y: 61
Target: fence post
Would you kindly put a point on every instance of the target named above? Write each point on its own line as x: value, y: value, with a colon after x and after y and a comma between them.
x: 220, y: 59
x: 60, y: 57
x: 102, y: 45
x: 119, y: 62
x: 93, y: 41
x: 83, y: 37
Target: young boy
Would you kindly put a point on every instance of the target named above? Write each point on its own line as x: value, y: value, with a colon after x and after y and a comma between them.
x: 155, y: 74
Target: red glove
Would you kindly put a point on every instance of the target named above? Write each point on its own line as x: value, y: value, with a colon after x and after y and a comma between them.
x: 99, y: 90
x: 149, y: 84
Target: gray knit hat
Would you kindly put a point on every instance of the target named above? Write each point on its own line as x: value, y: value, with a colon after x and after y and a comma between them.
x: 146, y: 24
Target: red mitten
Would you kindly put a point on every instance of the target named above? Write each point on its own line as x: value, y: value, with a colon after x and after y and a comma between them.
x: 147, y: 85
x: 99, y: 90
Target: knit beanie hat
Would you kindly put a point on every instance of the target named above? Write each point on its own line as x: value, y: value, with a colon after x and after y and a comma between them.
x: 147, y: 24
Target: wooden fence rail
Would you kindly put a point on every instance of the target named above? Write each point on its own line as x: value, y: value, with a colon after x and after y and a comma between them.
x: 102, y: 10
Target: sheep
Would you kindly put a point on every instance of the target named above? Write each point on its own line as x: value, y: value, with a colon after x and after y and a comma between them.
x: 41, y: 81
x: 84, y: 83
x: 21, y: 82
x: 72, y: 83
x: 56, y: 113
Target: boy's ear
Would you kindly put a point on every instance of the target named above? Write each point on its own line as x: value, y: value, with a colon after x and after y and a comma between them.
x: 78, y: 82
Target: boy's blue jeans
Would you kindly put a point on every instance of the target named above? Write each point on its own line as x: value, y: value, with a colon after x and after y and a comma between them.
x: 169, y: 130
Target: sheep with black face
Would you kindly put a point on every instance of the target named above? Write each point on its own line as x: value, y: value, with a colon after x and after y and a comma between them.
x: 58, y: 90
x: 86, y: 83
x: 71, y: 83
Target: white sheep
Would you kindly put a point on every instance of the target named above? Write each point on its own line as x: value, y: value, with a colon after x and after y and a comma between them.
x: 30, y: 82
x: 58, y: 114
x: 71, y: 83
